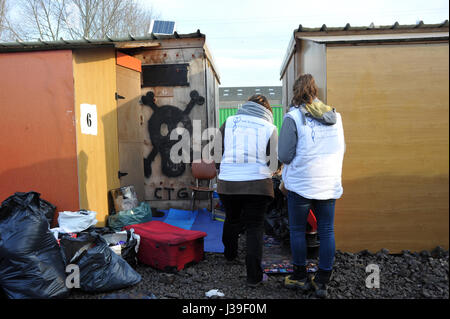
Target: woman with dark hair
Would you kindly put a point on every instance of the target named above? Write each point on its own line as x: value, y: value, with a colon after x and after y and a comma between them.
x: 311, y: 147
x: 245, y: 180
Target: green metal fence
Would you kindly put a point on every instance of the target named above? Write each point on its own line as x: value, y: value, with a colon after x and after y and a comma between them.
x: 278, y: 114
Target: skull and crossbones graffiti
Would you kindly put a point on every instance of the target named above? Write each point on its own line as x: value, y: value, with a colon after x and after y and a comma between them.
x: 171, y: 117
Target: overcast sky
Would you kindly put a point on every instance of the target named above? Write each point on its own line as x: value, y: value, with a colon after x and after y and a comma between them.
x: 248, y: 39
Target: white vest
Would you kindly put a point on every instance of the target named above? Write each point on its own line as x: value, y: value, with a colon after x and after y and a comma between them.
x: 245, y: 144
x: 315, y: 172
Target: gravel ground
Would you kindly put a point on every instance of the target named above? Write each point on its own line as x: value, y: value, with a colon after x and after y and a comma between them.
x: 409, y: 275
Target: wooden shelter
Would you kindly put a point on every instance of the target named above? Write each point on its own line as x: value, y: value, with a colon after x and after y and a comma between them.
x: 73, y: 126
x: 390, y: 84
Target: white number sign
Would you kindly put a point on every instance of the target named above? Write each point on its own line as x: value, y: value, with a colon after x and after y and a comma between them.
x: 88, y: 119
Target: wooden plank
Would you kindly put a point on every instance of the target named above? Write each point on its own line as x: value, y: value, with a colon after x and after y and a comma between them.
x: 128, y: 61
x: 394, y: 102
x: 162, y: 91
x: 136, y: 44
x: 211, y: 64
x: 158, y: 186
x: 390, y: 42
x: 212, y: 95
x: 130, y: 129
x: 169, y: 56
x: 98, y: 161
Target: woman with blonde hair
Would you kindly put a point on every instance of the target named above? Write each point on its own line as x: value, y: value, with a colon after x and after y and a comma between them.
x: 311, y: 147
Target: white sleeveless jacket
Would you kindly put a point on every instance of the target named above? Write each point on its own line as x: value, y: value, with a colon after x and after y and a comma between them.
x: 244, y: 157
x: 315, y: 172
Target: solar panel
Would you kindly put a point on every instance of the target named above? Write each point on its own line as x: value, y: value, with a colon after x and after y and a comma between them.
x: 162, y: 27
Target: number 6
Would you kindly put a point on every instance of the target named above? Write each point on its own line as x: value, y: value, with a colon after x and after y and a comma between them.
x: 88, y: 119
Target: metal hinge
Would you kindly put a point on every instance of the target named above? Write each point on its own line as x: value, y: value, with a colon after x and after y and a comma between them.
x: 120, y: 174
x: 119, y: 96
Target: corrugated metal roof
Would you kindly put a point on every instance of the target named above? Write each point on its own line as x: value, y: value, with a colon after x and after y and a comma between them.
x: 120, y: 43
x: 395, y: 27
x: 89, y: 43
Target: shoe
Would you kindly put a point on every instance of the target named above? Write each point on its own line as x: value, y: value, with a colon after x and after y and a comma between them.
x: 302, y: 284
x: 320, y: 289
x: 299, y: 279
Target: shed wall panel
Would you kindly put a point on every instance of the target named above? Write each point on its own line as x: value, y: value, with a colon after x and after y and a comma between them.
x: 161, y: 190
x: 37, y: 127
x: 311, y: 58
x: 98, y: 163
x: 394, y: 103
x: 130, y: 129
x: 291, y: 75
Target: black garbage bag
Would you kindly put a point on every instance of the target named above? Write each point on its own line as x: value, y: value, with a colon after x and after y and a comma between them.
x: 276, y: 224
x: 48, y: 209
x: 276, y: 221
x: 128, y: 239
x: 129, y: 252
x: 99, y: 267
x: 271, y: 222
x: 279, y: 200
x: 31, y: 265
x: 128, y: 242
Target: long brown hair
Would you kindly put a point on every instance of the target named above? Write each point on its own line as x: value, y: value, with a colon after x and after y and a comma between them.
x: 305, y: 90
x: 262, y: 100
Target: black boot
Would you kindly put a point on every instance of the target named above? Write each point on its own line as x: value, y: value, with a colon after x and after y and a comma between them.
x: 230, y: 240
x: 320, y: 282
x: 299, y: 279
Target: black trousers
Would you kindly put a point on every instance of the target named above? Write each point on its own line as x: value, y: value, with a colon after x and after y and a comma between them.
x: 245, y: 211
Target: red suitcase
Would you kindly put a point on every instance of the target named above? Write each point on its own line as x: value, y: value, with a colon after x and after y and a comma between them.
x: 168, y: 247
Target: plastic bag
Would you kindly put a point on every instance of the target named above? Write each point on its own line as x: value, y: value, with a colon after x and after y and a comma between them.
x: 124, y: 198
x: 137, y: 215
x: 31, y: 265
x: 75, y: 222
x: 214, y: 292
x: 100, y: 268
x: 125, y: 244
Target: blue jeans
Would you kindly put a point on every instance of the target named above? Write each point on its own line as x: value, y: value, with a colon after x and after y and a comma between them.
x: 298, y: 210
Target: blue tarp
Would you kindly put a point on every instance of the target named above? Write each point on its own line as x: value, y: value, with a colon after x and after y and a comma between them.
x: 199, y: 220
x: 204, y: 222
x: 181, y: 218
